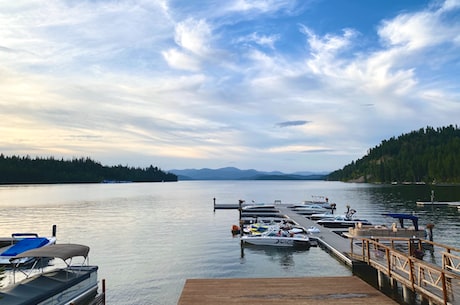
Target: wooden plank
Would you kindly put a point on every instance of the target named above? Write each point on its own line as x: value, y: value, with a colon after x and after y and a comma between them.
x: 287, y: 291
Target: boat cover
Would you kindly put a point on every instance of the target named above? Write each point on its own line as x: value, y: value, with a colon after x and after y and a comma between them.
x: 401, y: 218
x: 25, y: 245
x: 62, y: 251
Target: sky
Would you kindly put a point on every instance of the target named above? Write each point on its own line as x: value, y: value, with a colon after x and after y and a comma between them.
x: 285, y: 85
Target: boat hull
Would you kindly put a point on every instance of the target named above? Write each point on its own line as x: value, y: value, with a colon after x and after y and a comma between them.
x: 58, y: 287
x: 277, y: 241
x: 341, y: 224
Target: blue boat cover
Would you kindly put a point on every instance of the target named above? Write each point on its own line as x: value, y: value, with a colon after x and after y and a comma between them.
x: 401, y: 218
x: 24, y: 245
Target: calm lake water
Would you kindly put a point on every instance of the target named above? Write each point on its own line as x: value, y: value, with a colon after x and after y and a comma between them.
x: 148, y: 238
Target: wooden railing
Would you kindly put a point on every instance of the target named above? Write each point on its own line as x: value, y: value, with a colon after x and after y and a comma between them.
x: 439, y: 284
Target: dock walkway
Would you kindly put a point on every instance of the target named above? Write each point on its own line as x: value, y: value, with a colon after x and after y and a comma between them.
x: 327, y: 238
x: 344, y: 290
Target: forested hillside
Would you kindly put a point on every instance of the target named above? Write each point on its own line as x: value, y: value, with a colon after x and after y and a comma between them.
x: 427, y: 155
x: 83, y: 170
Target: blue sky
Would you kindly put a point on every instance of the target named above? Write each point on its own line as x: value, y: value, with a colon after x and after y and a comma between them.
x: 268, y: 84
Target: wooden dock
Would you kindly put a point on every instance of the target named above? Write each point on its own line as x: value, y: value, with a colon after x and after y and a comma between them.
x: 454, y: 204
x: 286, y: 291
x: 327, y: 238
x: 374, y: 259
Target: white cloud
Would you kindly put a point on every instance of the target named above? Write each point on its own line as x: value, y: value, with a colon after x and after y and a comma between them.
x: 194, y: 36
x: 180, y: 60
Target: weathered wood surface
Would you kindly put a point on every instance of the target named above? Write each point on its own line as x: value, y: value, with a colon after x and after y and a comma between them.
x: 349, y: 290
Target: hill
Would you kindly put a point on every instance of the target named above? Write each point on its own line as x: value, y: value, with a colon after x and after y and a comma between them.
x: 232, y: 173
x: 14, y: 170
x: 424, y: 156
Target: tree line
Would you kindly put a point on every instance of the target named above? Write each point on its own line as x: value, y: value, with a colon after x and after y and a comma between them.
x: 16, y: 169
x: 427, y: 155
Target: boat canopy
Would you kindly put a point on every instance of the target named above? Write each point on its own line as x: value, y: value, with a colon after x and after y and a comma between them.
x: 62, y: 251
x: 401, y: 218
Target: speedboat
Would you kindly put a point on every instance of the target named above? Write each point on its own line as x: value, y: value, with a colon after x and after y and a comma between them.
x: 262, y: 227
x: 319, y: 216
x: 343, y: 221
x: 72, y: 284
x: 280, y: 238
x: 310, y: 209
x: 318, y: 200
x: 21, y: 242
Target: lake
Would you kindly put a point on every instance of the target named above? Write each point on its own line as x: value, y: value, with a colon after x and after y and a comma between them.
x: 148, y: 238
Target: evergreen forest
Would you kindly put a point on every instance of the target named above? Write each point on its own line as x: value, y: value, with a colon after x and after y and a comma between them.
x: 427, y: 155
x: 16, y: 170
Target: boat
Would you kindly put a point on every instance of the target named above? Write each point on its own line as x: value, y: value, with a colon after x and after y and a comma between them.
x: 412, y: 231
x: 72, y: 284
x: 325, y: 215
x: 317, y: 200
x: 260, y: 208
x: 21, y: 242
x: 343, y: 222
x: 280, y: 238
x: 261, y: 227
x: 310, y: 209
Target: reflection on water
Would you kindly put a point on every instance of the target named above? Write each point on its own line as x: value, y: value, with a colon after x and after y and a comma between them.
x: 283, y: 256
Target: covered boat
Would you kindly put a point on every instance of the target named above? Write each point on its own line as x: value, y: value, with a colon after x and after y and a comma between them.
x: 76, y: 284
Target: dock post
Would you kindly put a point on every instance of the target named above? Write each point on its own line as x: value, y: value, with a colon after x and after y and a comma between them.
x: 54, y: 231
x: 103, y: 291
x: 430, y: 227
x: 408, y: 295
x: 214, y: 200
x: 240, y: 208
x: 380, y: 279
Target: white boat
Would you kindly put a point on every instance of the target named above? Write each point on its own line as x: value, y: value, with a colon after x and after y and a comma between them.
x: 257, y: 206
x: 21, y: 242
x: 262, y: 227
x: 72, y: 284
x: 343, y: 222
x: 310, y: 209
x: 318, y: 200
x: 278, y: 238
x: 325, y: 215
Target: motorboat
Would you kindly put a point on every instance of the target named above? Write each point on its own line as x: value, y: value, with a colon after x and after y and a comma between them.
x: 267, y: 208
x: 393, y: 230
x: 278, y: 238
x: 310, y: 209
x: 262, y: 227
x: 317, y: 200
x: 343, y: 221
x: 72, y: 284
x: 319, y: 216
x: 21, y: 242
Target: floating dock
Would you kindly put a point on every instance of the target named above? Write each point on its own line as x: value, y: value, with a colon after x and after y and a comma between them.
x: 327, y: 238
x: 454, y: 204
x: 286, y: 291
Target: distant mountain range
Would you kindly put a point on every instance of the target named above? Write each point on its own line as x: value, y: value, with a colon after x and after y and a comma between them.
x: 232, y: 173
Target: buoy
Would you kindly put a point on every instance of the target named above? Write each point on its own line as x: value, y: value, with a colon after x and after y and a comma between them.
x: 236, y: 230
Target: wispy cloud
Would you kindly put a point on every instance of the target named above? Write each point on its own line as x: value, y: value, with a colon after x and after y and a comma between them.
x: 292, y: 123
